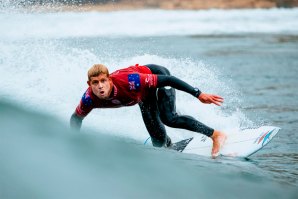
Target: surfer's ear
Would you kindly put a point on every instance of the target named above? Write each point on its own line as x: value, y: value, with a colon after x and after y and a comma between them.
x: 111, y: 81
x: 88, y: 82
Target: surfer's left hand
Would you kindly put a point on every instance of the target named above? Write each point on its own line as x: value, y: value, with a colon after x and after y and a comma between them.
x: 211, y: 99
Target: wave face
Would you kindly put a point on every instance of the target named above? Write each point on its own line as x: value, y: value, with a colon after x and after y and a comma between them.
x: 41, y: 158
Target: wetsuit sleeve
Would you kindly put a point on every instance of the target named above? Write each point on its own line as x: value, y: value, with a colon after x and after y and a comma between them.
x: 168, y: 80
x: 85, y: 106
x: 75, y: 121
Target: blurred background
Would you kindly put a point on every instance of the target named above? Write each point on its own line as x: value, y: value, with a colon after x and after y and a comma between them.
x: 245, y: 51
x: 165, y: 4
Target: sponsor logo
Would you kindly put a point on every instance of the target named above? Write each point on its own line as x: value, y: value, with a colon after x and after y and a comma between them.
x: 149, y: 80
x: 203, y: 138
x: 265, y: 138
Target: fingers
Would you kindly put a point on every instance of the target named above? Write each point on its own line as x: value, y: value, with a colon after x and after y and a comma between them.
x: 211, y: 99
x: 217, y: 100
x: 217, y: 96
x: 216, y: 103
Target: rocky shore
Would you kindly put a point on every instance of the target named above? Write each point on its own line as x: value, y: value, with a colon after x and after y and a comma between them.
x: 110, y: 5
x: 194, y: 4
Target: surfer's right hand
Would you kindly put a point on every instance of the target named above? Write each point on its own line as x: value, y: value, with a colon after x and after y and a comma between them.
x: 211, y: 99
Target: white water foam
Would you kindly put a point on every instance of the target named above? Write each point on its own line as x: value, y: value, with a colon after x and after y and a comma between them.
x: 49, y: 77
x: 43, y: 74
x: 147, y: 23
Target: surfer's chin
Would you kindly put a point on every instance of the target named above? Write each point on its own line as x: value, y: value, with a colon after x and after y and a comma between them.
x: 103, y: 97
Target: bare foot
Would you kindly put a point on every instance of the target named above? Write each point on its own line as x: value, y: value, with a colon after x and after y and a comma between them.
x: 219, y: 139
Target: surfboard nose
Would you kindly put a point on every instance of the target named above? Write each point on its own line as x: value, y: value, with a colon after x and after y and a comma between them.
x: 268, y: 132
x: 272, y: 129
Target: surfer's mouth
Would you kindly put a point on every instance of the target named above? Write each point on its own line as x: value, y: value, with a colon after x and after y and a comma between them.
x: 101, y: 92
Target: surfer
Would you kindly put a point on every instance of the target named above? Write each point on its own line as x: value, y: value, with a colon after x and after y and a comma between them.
x: 152, y: 87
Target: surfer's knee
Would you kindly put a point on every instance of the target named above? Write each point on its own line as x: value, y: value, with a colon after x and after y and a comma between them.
x: 166, y: 92
x: 165, y: 70
x: 166, y: 98
x: 157, y: 69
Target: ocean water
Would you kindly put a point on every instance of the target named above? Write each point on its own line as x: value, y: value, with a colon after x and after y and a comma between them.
x: 247, y: 56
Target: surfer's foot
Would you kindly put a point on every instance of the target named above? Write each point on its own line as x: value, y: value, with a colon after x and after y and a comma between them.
x: 168, y: 142
x: 219, y: 139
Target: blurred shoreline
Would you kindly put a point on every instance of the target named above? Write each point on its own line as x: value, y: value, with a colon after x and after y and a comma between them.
x: 114, y: 5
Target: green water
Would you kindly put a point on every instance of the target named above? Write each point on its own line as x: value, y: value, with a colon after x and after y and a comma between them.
x: 41, y: 158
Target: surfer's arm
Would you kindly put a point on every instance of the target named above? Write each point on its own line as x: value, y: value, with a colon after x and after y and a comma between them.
x: 76, y: 121
x: 82, y: 110
x: 168, y: 80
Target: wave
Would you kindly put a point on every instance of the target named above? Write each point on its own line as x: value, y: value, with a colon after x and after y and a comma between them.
x: 41, y: 157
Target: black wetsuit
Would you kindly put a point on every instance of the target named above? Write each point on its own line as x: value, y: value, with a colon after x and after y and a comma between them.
x: 160, y: 108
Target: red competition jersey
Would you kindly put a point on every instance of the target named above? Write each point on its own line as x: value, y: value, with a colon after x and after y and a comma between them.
x: 131, y: 85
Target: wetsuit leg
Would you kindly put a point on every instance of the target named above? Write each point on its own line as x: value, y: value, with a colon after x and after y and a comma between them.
x: 167, y: 108
x: 153, y: 123
x: 169, y: 116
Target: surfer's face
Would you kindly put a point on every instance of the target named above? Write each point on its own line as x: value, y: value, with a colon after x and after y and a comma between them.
x: 101, y: 86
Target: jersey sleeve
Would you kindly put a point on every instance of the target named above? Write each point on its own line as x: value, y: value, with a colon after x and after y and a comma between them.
x: 86, y: 105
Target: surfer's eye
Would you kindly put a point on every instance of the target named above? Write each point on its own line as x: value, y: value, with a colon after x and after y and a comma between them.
x: 94, y: 82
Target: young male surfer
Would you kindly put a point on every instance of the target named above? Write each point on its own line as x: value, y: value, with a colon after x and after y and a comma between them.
x: 146, y: 86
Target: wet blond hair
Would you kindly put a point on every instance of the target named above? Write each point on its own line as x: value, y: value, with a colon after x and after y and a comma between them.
x: 96, y: 70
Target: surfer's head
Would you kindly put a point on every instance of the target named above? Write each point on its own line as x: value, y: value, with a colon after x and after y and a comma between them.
x: 96, y: 70
x: 100, y: 81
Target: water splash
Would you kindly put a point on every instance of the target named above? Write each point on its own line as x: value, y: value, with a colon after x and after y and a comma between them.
x: 49, y: 76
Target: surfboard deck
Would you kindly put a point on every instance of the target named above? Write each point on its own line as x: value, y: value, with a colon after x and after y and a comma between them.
x: 240, y: 144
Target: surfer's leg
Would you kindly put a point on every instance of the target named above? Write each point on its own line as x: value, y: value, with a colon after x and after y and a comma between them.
x: 156, y: 69
x: 153, y: 124
x: 167, y: 107
x: 169, y: 116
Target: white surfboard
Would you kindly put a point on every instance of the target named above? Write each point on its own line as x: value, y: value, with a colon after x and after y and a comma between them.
x: 240, y: 144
